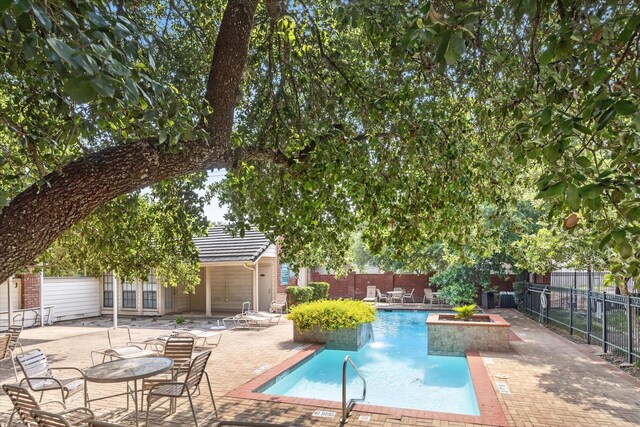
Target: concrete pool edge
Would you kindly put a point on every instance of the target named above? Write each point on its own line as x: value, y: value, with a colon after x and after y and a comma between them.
x: 491, y: 412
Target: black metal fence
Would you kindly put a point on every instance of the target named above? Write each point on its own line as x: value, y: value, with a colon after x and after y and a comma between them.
x: 604, y: 318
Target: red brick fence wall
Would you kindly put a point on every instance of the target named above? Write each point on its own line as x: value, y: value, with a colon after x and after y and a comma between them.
x: 355, y: 285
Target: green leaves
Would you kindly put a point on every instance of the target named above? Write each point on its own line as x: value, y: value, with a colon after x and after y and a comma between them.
x: 625, y: 107
x: 80, y: 89
x: 62, y: 49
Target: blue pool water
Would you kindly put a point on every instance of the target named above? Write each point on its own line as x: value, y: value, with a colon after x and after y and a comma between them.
x: 398, y: 371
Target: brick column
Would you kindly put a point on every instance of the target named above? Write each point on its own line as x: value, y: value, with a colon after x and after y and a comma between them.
x: 30, y: 297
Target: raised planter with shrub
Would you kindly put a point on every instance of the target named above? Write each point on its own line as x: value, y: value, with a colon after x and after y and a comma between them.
x: 455, y: 334
x: 340, y: 324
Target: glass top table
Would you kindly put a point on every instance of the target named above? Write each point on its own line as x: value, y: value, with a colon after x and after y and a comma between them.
x: 126, y: 370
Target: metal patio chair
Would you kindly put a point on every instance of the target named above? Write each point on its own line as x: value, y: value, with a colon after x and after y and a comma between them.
x: 174, y: 389
x: 428, y: 296
x: 24, y: 403
x: 279, y: 305
x: 39, y: 375
x: 381, y: 297
x: 70, y: 418
x: 14, y: 332
x: 180, y: 350
x: 7, y: 353
x: 408, y: 295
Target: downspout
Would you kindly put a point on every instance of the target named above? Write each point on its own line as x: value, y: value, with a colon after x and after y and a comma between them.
x: 253, y: 278
x: 253, y: 273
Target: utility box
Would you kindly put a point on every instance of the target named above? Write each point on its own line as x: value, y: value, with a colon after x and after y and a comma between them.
x: 488, y: 300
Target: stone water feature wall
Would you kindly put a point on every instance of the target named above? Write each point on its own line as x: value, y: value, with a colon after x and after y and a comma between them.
x: 489, y: 332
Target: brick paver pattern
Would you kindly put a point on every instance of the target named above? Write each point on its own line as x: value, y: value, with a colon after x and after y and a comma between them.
x: 552, y: 381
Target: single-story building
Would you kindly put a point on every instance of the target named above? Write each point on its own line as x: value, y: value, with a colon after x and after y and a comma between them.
x: 232, y: 270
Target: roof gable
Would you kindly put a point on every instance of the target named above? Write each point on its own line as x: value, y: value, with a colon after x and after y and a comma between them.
x: 219, y: 246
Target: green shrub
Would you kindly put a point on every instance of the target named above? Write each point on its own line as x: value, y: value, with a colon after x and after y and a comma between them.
x: 320, y: 290
x: 465, y: 312
x: 180, y: 320
x: 455, y: 285
x: 329, y: 315
x: 519, y: 289
x: 299, y: 294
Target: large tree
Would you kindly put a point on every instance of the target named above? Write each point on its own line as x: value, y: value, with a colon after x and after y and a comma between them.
x: 404, y: 116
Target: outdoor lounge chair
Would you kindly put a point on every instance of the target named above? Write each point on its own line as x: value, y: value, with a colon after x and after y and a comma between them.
x: 24, y: 403
x: 119, y: 348
x: 199, y: 334
x: 279, y: 305
x: 185, y: 388
x: 39, y: 375
x: 252, y: 319
x: 408, y: 295
x: 371, y: 294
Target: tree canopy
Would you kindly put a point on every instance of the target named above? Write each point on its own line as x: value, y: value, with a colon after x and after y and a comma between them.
x: 402, y: 119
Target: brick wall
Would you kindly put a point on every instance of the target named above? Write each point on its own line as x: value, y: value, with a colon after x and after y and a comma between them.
x: 30, y: 296
x: 354, y: 285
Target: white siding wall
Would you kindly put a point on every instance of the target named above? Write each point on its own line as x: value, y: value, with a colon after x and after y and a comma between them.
x: 72, y: 297
x: 270, y: 251
x: 15, y: 295
x: 181, y: 300
x: 230, y: 287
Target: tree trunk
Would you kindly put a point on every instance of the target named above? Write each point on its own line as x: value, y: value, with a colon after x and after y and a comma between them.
x: 37, y: 216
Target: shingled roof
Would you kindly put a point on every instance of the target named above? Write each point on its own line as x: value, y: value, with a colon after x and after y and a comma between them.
x: 219, y: 246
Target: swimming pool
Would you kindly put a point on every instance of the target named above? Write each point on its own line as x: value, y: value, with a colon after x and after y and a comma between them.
x: 398, y: 371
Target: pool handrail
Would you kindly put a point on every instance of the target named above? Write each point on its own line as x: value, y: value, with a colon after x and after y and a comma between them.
x: 348, y: 406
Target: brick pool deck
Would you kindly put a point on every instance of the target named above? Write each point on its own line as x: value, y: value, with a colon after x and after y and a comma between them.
x: 552, y: 381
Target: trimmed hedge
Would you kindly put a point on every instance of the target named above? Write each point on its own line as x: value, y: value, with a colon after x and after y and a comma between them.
x: 320, y: 290
x: 329, y: 315
x: 299, y: 294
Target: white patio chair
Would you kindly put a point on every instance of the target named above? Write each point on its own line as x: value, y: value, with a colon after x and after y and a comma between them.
x: 279, y: 305
x: 397, y: 295
x: 428, y: 296
x: 371, y: 294
x: 408, y: 296
x: 381, y: 297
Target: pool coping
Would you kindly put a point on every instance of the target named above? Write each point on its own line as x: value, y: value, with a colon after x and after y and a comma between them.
x: 491, y: 412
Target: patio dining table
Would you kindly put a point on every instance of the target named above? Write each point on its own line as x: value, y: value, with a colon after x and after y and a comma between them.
x: 395, y: 295
x: 125, y: 370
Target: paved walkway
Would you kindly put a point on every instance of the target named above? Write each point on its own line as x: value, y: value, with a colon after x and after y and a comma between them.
x: 552, y: 382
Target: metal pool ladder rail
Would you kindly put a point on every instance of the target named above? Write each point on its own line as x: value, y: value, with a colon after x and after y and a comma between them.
x: 348, y: 406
